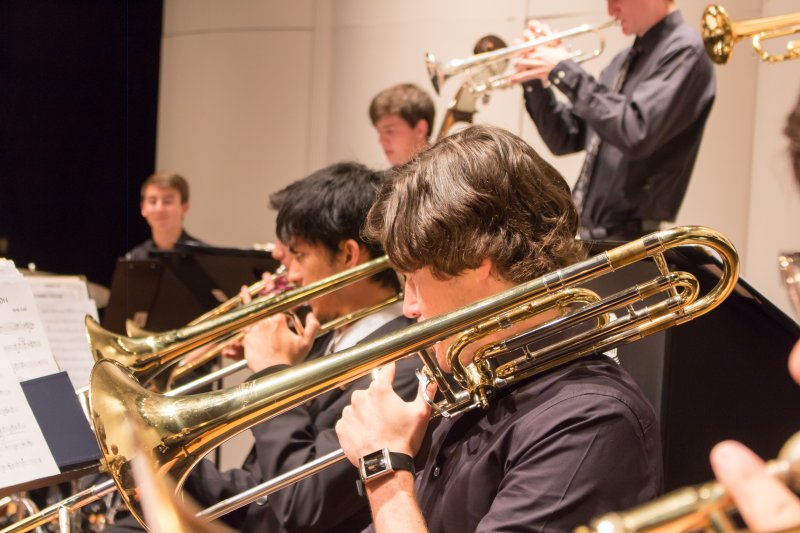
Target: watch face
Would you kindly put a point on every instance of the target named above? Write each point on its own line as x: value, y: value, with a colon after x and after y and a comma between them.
x: 375, y: 463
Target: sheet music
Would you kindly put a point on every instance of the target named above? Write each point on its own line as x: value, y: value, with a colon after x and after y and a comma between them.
x: 24, y: 454
x: 63, y: 303
x: 23, y: 341
x: 8, y: 270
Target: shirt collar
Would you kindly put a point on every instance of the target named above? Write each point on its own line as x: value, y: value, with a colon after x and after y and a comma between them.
x: 359, y: 329
x: 647, y: 42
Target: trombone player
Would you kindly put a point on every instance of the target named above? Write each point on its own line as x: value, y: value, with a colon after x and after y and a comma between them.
x: 319, y: 220
x: 478, y: 213
x: 640, y: 122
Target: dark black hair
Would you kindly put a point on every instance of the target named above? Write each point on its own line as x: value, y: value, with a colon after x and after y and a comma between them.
x: 330, y: 206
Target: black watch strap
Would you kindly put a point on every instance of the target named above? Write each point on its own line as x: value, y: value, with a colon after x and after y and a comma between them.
x: 402, y: 461
x: 382, y: 462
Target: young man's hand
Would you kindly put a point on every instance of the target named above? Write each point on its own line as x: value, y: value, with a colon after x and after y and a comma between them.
x: 378, y: 418
x: 271, y: 342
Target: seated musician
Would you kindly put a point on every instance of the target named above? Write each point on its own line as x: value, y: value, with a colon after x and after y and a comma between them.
x: 164, y: 204
x: 319, y: 219
x: 478, y: 213
x: 403, y: 117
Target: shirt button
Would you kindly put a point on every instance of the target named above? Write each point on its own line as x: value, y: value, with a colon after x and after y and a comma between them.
x: 561, y: 74
x: 436, y: 471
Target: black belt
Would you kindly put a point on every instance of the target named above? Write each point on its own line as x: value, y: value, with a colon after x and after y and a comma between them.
x: 630, y: 229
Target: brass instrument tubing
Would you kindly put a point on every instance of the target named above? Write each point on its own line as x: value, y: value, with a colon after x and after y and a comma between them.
x: 216, y: 375
x: 268, y: 487
x: 73, y: 503
x: 182, y: 430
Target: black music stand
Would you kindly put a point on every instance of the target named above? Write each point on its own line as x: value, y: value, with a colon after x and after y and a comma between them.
x: 170, y: 289
x: 720, y: 376
x: 65, y: 429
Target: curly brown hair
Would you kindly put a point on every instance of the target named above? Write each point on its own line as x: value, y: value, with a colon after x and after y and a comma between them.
x: 480, y: 193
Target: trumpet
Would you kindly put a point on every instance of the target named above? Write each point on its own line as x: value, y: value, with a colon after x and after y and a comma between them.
x: 702, y: 507
x: 178, y: 432
x: 439, y: 72
x: 720, y: 33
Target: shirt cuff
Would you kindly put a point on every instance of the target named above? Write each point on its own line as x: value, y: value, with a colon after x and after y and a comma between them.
x: 566, y: 75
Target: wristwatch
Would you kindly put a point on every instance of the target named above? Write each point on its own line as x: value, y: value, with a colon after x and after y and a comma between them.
x: 382, y: 462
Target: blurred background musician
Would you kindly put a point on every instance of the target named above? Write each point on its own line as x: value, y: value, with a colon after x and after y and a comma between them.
x: 403, y: 117
x: 319, y: 219
x: 164, y: 204
x: 765, y: 503
x: 640, y: 123
x: 545, y: 454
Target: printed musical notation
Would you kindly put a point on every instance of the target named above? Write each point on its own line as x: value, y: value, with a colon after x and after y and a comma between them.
x: 23, y: 340
x: 24, y: 453
x: 24, y: 354
x: 63, y: 304
x: 17, y: 326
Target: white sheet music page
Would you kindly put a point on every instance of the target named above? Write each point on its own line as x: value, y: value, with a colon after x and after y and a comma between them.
x: 63, y: 303
x: 23, y: 341
x: 24, y: 454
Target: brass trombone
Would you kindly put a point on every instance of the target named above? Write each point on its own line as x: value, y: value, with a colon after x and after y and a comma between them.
x: 720, y: 33
x: 439, y: 72
x: 146, y: 361
x: 146, y: 357
x: 178, y: 432
x: 184, y: 367
x: 699, y: 508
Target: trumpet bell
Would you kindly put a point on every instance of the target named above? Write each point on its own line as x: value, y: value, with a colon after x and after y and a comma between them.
x: 720, y: 34
x: 717, y: 34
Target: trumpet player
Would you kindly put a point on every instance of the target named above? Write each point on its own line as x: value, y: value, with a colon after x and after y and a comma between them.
x: 640, y: 122
x: 478, y: 213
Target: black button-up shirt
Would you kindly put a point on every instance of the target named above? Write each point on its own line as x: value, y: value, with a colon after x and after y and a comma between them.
x: 560, y: 449
x: 650, y: 132
x: 142, y: 251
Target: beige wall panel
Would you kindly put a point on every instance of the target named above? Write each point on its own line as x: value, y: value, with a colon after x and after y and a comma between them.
x: 774, y: 195
x: 190, y: 16
x: 718, y: 192
x: 233, y: 117
x: 378, y: 44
